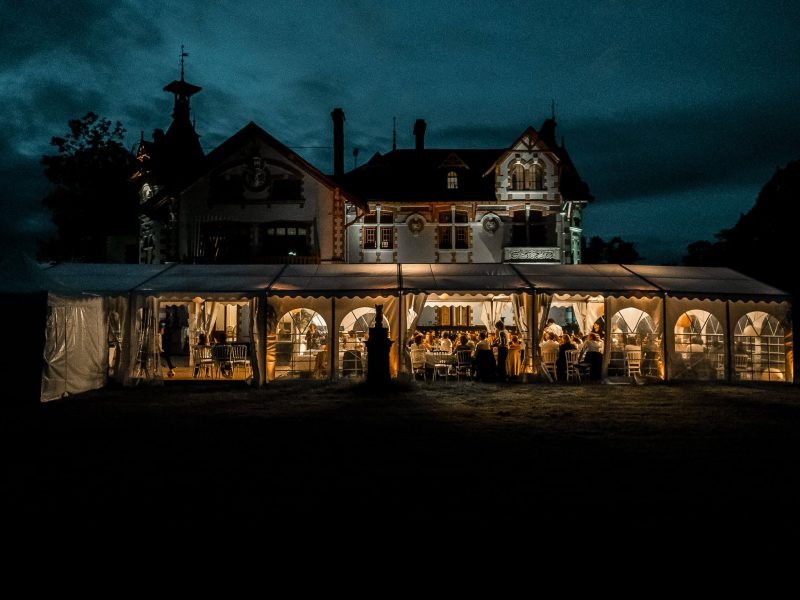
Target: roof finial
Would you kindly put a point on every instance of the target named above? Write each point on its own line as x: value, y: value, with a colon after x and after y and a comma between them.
x: 394, y: 133
x: 553, y: 108
x: 183, y: 55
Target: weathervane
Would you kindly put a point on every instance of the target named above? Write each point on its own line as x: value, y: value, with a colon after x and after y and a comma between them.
x: 183, y: 55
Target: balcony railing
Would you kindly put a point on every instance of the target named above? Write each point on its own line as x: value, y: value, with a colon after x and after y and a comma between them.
x: 531, y: 254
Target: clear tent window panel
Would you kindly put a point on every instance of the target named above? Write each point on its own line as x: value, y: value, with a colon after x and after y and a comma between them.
x: 699, y: 346
x: 759, y: 348
x: 302, y: 344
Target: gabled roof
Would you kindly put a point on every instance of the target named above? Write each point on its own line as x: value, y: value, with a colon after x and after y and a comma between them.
x: 421, y: 176
x: 251, y: 131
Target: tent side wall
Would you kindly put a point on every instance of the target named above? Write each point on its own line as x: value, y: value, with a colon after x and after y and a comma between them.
x: 24, y: 358
x: 76, y: 346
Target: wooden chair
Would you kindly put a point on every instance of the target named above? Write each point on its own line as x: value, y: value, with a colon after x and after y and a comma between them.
x: 240, y: 359
x: 463, y: 365
x: 633, y: 363
x: 203, y: 361
x: 549, y: 359
x: 418, y: 364
x: 573, y: 373
x: 221, y: 357
x: 741, y: 366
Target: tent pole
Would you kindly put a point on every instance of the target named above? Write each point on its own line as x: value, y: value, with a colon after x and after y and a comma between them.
x: 664, y: 348
x: 334, y: 333
x: 728, y: 344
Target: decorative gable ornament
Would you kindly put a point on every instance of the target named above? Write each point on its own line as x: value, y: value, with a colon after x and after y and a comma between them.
x: 256, y: 176
x: 491, y: 223
x: 415, y: 224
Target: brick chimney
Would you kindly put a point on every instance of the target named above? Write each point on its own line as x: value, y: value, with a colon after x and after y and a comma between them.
x: 419, y: 133
x: 338, y: 142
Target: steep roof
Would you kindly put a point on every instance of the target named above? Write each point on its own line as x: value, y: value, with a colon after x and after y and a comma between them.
x: 421, y: 176
x: 412, y: 175
x: 252, y: 131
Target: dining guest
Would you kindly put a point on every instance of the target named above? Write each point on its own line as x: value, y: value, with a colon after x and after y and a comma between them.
x: 550, y: 343
x: 485, y: 366
x: 592, y: 353
x: 446, y: 344
x: 561, y: 361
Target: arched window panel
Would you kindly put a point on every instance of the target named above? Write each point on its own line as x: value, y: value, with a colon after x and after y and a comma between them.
x: 633, y: 329
x: 758, y: 347
x: 699, y: 339
x: 301, y: 347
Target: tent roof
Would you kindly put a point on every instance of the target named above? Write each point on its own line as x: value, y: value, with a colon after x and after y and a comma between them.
x: 23, y: 275
x: 211, y: 279
x: 704, y: 281
x: 104, y: 278
x: 590, y: 279
x: 470, y: 277
x: 336, y: 279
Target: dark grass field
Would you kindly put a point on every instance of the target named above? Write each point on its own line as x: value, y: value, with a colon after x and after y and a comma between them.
x: 710, y: 464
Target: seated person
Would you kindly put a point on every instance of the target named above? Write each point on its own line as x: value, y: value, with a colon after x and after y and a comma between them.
x: 463, y: 345
x: 485, y: 365
x: 561, y: 361
x: 446, y: 344
x: 592, y: 353
x: 550, y: 343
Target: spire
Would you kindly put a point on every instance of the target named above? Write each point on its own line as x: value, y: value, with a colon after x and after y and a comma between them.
x: 552, y: 106
x: 182, y: 91
x: 182, y: 153
x: 183, y: 55
x: 394, y: 133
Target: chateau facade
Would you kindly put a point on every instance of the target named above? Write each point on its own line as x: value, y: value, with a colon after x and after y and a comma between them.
x: 253, y: 200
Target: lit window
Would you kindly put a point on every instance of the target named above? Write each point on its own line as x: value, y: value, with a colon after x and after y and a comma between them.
x: 382, y: 230
x: 452, y: 180
x: 369, y: 237
x: 387, y: 238
x: 454, y: 230
x: 520, y: 177
x: 538, y: 177
x: 280, y: 230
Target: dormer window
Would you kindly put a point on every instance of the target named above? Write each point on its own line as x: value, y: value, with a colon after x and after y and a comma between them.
x: 452, y: 180
x: 526, y: 177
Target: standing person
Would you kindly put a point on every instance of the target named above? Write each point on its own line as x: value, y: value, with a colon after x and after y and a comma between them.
x: 501, y: 343
x: 163, y: 354
x: 554, y: 328
x: 312, y: 338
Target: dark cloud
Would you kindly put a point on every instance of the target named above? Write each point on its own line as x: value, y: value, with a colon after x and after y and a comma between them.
x: 85, y: 28
x: 734, y: 140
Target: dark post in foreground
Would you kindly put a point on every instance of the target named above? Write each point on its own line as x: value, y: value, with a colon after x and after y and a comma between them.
x: 378, y: 346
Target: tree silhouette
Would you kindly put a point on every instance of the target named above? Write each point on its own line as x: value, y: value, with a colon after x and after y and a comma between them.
x: 93, y: 201
x: 616, y: 250
x: 760, y: 244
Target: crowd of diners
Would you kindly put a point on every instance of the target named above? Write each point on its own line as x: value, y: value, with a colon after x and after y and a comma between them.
x: 499, y: 355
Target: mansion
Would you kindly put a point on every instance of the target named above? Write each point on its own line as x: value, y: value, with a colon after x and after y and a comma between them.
x: 254, y: 200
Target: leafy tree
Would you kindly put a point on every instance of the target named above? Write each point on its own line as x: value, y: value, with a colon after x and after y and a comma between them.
x: 616, y: 250
x: 760, y: 244
x: 92, y: 200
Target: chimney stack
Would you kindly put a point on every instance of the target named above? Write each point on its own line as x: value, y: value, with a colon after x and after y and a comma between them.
x: 338, y: 142
x: 419, y: 133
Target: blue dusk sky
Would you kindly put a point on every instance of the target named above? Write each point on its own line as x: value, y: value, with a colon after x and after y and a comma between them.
x: 675, y: 114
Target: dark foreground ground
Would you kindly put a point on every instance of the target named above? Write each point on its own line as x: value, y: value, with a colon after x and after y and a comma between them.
x: 690, y: 464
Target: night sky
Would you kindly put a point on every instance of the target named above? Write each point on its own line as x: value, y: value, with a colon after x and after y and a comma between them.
x: 675, y: 113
